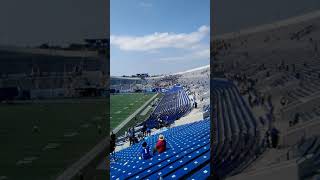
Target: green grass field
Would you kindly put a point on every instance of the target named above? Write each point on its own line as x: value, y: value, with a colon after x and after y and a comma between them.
x: 123, y: 105
x: 67, y: 130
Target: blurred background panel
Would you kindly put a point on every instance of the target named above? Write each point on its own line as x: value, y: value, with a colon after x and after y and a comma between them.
x: 265, y: 90
x: 54, y: 71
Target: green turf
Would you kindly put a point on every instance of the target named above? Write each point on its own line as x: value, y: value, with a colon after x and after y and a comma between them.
x: 54, y: 121
x: 123, y: 105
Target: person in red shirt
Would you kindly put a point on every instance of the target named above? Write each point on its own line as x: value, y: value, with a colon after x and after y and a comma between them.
x: 161, y: 145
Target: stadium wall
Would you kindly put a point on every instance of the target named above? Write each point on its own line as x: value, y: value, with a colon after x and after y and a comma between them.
x: 47, y: 93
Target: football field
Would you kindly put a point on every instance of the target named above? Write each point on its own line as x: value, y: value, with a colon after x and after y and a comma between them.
x: 67, y: 129
x: 123, y: 105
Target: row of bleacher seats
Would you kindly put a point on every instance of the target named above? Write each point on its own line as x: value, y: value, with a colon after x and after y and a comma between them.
x: 237, y: 132
x: 187, y: 156
x: 174, y: 104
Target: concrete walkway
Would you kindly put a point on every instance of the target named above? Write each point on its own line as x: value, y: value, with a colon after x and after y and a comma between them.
x: 145, y: 111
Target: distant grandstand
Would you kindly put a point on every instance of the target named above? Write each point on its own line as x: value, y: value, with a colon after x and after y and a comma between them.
x: 52, y: 72
x: 126, y: 84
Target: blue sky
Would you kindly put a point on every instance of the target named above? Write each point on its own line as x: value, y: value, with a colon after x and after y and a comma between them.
x: 159, y: 36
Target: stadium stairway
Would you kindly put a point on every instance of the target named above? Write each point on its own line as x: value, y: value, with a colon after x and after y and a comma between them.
x: 187, y: 156
x: 237, y: 135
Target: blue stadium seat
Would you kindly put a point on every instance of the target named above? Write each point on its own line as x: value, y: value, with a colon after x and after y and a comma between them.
x: 188, y: 147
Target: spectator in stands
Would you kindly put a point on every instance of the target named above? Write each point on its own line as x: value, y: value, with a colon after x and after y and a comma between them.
x: 160, y: 121
x: 283, y: 101
x: 161, y: 145
x: 35, y: 129
x: 112, y: 145
x: 255, y: 101
x: 250, y: 100
x: 268, y: 74
x: 144, y: 129
x: 274, y: 137
x: 134, y: 139
x: 148, y: 131
x: 262, y: 99
x: 126, y: 134
x: 145, y: 151
x: 293, y: 67
x: 269, y: 99
x: 264, y: 141
x: 316, y: 48
x: 99, y: 129
x: 81, y: 176
x: 290, y: 123
x: 267, y: 139
x: 296, y: 119
x: 131, y: 136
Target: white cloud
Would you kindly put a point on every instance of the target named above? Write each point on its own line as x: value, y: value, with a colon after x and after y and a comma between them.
x: 160, y: 40
x: 200, y: 54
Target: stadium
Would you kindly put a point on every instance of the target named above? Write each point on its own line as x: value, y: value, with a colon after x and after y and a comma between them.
x: 265, y: 91
x: 54, y: 99
x: 176, y: 106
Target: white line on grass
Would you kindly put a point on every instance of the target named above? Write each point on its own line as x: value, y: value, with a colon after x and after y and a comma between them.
x: 123, y: 123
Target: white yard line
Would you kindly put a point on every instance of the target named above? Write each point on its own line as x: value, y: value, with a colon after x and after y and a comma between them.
x: 123, y: 123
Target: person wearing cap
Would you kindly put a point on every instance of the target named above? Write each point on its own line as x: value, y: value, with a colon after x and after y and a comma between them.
x: 145, y: 151
x: 161, y: 145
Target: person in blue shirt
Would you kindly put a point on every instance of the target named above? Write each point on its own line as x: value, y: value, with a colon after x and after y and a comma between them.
x: 145, y: 151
